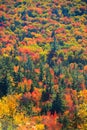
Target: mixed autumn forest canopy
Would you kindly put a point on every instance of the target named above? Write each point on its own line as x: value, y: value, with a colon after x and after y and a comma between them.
x: 43, y: 64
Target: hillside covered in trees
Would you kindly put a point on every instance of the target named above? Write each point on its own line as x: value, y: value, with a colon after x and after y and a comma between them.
x: 43, y: 64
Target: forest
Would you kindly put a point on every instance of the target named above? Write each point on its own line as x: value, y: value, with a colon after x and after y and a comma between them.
x: 43, y: 64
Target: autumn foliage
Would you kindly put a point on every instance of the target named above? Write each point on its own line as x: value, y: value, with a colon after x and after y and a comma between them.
x: 43, y: 65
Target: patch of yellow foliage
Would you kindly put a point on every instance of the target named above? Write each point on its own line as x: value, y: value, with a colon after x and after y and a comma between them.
x: 40, y: 127
x: 82, y: 109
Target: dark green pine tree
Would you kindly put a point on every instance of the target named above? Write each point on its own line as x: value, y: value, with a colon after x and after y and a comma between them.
x: 29, y: 66
x: 41, y: 76
x: 58, y: 104
x: 49, y: 81
x: 55, y: 46
x: 6, y: 71
x: 54, y: 43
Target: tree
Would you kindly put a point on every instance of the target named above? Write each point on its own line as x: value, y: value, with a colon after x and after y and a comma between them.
x: 41, y: 76
x: 58, y: 104
x: 6, y: 76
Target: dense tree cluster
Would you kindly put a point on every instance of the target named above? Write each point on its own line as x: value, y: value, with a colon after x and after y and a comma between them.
x: 43, y: 64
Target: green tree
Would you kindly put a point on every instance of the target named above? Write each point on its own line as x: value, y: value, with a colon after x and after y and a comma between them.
x: 58, y: 104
